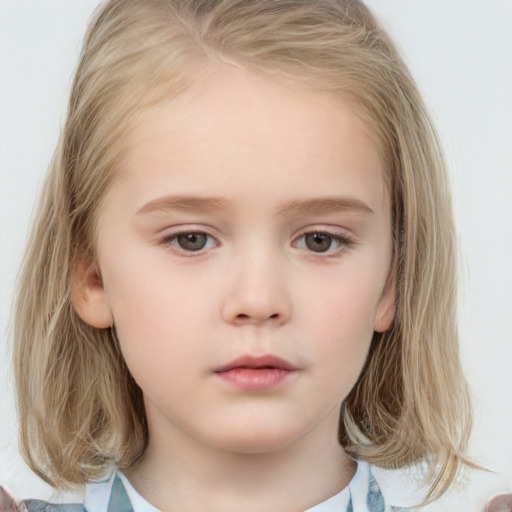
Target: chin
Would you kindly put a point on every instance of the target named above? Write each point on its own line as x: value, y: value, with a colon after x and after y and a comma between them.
x: 255, y: 441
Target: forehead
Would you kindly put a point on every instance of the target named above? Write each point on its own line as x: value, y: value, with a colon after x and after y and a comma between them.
x: 237, y: 125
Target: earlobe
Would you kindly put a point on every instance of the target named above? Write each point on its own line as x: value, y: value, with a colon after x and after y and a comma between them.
x: 88, y: 295
x: 386, y: 309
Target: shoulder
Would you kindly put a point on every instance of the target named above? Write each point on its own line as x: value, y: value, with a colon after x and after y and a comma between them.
x: 7, y: 504
x: 43, y: 506
x: 403, y: 489
x: 106, y: 495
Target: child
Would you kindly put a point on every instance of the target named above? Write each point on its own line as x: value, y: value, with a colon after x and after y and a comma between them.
x: 239, y: 292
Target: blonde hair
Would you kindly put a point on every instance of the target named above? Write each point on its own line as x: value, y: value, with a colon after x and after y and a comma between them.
x: 80, y: 410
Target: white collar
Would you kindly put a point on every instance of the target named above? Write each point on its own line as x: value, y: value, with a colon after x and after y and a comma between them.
x: 357, y: 490
x: 370, y: 490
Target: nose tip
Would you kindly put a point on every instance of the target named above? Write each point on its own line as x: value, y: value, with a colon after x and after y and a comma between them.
x: 257, y: 298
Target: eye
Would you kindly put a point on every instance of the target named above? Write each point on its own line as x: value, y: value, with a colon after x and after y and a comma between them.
x: 322, y: 242
x: 318, y: 242
x: 190, y: 241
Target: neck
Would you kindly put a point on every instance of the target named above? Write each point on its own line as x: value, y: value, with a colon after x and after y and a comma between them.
x: 177, y: 473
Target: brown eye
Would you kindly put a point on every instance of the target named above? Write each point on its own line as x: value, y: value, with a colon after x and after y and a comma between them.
x: 318, y: 242
x: 192, y: 241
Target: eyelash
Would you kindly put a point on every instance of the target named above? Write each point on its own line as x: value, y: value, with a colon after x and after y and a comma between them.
x: 342, y: 242
x: 171, y: 240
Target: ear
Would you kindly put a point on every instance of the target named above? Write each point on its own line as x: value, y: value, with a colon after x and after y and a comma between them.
x: 386, y: 308
x: 88, y: 295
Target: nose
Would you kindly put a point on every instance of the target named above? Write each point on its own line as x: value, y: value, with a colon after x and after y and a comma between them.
x: 257, y: 292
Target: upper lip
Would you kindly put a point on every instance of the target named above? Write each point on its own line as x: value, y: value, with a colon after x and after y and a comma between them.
x: 257, y: 362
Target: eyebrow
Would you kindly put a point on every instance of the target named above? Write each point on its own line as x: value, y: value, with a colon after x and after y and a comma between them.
x: 326, y: 205
x: 185, y: 203
x: 293, y: 208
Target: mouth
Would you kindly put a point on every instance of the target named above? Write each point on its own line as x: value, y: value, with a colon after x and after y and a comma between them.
x: 258, y: 363
x: 256, y: 373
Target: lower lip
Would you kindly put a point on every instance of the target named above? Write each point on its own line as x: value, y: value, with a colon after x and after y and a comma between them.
x: 255, y: 379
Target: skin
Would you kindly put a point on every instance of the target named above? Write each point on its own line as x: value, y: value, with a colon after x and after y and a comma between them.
x: 256, y: 168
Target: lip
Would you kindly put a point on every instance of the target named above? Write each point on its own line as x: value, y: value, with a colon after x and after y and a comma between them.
x: 256, y: 373
x: 258, y: 362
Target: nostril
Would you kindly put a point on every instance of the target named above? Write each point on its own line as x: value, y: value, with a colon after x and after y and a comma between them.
x: 244, y: 317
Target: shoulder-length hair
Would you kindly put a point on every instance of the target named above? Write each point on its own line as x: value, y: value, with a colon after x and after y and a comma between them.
x: 80, y: 410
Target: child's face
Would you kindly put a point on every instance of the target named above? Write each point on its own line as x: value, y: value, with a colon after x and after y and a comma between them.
x: 249, y: 220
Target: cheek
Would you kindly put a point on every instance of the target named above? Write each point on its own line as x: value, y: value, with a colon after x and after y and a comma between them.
x: 344, y: 304
x: 154, y: 312
x: 341, y: 326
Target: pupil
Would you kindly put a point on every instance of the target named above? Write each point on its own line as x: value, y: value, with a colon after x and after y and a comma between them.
x: 192, y: 241
x: 318, y: 242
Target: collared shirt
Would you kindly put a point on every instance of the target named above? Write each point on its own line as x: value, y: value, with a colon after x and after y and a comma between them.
x: 116, y: 494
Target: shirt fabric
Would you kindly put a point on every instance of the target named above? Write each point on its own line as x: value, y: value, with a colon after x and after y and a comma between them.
x: 116, y: 494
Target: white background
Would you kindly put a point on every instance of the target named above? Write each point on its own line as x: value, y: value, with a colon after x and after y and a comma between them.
x: 460, y: 52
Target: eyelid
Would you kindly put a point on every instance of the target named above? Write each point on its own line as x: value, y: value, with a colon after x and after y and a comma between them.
x: 169, y: 236
x: 346, y: 239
